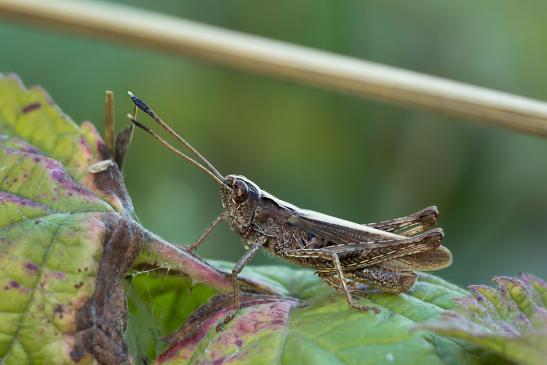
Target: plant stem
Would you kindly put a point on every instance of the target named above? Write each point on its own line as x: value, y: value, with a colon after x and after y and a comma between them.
x: 284, y: 61
x: 109, y: 121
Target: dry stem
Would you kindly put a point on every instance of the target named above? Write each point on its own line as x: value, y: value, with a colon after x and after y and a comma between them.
x: 284, y: 61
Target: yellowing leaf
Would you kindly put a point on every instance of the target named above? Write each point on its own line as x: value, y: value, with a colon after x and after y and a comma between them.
x: 56, y: 221
x: 31, y: 116
x: 510, y: 320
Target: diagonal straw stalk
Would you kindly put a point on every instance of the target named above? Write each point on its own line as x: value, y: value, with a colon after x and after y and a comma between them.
x: 283, y: 61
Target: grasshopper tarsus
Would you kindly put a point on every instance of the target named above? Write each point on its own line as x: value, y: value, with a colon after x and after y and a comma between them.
x: 221, y: 325
x: 345, y: 254
x: 360, y: 307
x: 365, y: 308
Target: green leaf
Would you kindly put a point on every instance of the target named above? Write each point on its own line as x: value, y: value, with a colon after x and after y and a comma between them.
x: 158, y: 304
x: 510, y: 320
x: 316, y: 326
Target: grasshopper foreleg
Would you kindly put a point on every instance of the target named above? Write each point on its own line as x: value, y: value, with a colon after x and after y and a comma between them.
x: 207, y: 231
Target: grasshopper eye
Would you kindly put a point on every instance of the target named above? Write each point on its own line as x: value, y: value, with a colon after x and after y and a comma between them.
x: 241, y: 191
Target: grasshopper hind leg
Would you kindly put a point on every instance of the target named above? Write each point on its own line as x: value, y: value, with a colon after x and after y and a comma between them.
x: 359, y: 282
x: 410, y: 225
x: 332, y: 280
x: 386, y: 280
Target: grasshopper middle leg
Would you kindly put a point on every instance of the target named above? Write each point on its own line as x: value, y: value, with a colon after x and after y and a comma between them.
x: 342, y: 279
x: 334, y: 277
x: 235, y: 283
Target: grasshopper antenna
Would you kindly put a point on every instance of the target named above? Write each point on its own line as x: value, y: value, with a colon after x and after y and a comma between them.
x: 145, y: 108
x: 219, y: 179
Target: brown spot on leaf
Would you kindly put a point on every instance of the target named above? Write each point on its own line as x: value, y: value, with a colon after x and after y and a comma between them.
x: 31, y: 267
x: 76, y: 355
x: 58, y: 310
x: 79, y: 285
x: 14, y: 284
x: 30, y: 107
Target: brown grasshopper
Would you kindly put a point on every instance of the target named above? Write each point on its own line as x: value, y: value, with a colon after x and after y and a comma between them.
x: 344, y: 254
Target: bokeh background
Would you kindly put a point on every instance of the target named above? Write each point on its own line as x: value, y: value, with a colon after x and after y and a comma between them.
x: 355, y: 159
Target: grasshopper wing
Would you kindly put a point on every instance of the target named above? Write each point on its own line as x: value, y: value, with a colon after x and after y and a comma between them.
x: 409, y: 225
x: 335, y: 231
x: 362, y: 246
x: 327, y: 229
x: 435, y: 259
x: 357, y: 245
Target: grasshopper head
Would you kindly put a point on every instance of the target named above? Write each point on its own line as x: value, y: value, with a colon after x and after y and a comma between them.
x: 240, y: 197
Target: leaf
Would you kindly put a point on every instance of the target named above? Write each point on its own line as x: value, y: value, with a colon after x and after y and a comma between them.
x: 57, y: 219
x: 31, y: 116
x: 67, y: 238
x: 316, y: 326
x: 70, y: 252
x: 158, y: 304
x: 165, y: 287
x: 510, y: 320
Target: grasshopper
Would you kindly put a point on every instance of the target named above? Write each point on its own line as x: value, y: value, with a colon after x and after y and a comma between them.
x: 348, y: 256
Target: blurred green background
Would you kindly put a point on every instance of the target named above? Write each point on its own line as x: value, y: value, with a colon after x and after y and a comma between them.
x: 355, y: 159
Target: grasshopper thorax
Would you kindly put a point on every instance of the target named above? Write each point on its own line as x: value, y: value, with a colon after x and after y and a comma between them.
x: 240, y: 198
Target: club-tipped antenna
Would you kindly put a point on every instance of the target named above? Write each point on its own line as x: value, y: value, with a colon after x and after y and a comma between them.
x: 220, y: 179
x: 145, y: 108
